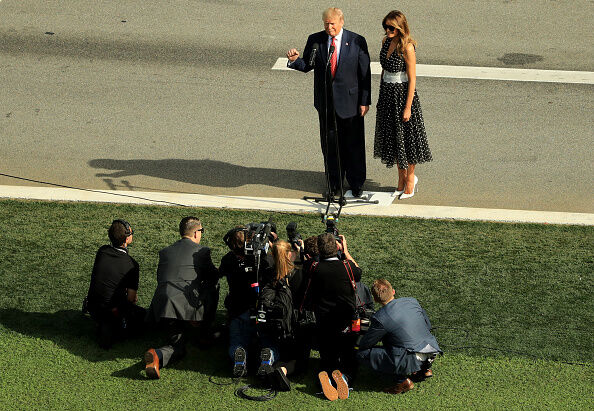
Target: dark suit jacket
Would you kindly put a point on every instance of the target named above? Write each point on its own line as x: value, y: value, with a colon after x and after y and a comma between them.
x: 402, y: 323
x: 332, y: 295
x: 186, y: 277
x: 352, y: 82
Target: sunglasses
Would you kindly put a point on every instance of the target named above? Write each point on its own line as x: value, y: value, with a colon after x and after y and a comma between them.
x: 201, y: 230
x: 388, y: 27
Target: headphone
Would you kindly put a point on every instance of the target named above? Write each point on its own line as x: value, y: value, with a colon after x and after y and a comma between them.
x: 125, y: 224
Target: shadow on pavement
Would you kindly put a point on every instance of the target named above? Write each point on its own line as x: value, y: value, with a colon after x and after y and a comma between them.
x: 216, y: 173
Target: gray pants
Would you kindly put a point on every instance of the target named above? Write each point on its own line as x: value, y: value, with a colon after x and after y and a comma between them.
x: 175, y: 348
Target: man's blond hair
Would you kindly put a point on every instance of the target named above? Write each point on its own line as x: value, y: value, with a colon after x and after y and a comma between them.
x: 382, y: 291
x: 333, y: 12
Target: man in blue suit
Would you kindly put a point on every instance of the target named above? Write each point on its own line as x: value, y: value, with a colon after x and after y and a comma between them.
x: 347, y: 74
x: 404, y: 329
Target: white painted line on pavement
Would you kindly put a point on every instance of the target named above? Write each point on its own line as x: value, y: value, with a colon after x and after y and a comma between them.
x: 484, y: 73
x: 295, y: 205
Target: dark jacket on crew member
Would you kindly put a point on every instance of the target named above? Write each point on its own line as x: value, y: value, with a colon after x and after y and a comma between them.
x: 333, y: 296
x: 187, y: 282
x: 114, y: 271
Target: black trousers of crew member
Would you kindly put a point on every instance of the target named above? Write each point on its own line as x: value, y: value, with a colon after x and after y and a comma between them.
x: 126, y: 322
x: 346, y: 143
x: 337, y: 349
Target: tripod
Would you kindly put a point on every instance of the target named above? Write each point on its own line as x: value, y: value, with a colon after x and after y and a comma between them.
x: 330, y: 128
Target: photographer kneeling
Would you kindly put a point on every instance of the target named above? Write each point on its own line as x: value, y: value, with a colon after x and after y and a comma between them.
x: 408, y: 349
x: 243, y: 273
x: 333, y: 301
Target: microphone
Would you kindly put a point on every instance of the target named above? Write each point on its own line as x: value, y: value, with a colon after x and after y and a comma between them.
x: 330, y: 53
x: 312, y: 55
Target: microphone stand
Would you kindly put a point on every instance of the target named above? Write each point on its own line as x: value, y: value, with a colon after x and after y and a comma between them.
x: 329, y: 197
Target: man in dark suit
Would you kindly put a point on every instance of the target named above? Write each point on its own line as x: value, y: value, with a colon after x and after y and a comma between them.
x: 408, y: 348
x: 187, y: 294
x: 347, y: 74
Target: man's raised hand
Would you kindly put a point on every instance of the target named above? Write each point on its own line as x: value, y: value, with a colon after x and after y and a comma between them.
x: 292, y: 55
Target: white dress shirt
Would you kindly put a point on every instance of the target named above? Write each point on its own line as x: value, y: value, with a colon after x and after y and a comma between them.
x: 337, y: 41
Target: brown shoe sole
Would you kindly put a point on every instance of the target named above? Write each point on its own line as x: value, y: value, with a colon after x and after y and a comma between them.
x: 401, y: 388
x: 329, y: 391
x: 341, y: 386
x: 152, y: 364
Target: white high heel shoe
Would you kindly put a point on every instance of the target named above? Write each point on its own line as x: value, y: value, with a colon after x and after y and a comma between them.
x: 404, y: 196
x: 397, y: 193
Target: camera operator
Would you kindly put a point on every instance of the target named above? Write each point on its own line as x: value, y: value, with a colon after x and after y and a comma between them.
x: 333, y: 300
x: 112, y: 295
x: 408, y: 348
x: 242, y: 299
x: 279, y: 335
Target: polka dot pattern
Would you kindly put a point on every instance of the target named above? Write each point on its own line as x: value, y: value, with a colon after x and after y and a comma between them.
x: 397, y: 141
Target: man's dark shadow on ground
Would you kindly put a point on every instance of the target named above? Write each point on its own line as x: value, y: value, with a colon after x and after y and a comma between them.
x: 217, y: 174
x: 74, y: 331
x: 69, y: 329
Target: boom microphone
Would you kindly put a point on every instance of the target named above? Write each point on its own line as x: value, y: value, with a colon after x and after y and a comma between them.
x: 330, y: 53
x: 312, y: 55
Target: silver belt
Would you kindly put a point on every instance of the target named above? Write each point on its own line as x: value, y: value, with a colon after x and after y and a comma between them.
x: 399, y: 77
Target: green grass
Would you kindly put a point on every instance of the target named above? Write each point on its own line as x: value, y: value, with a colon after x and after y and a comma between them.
x: 512, y: 304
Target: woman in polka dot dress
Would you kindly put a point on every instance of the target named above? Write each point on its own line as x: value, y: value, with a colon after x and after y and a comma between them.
x: 400, y: 136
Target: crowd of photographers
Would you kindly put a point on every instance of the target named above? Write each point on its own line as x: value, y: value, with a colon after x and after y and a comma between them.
x: 285, y: 298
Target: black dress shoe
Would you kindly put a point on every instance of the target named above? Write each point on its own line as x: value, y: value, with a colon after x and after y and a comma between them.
x: 357, y: 192
x: 279, y: 380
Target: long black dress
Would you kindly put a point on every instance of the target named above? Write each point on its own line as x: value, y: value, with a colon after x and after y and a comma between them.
x: 397, y: 141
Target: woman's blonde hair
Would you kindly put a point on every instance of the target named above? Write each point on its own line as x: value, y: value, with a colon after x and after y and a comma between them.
x: 281, y: 251
x: 402, y: 32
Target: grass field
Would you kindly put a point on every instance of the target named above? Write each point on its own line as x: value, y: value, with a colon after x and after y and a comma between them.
x: 512, y: 305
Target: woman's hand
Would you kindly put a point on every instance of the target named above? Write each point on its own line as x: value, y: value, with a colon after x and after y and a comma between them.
x: 406, y: 114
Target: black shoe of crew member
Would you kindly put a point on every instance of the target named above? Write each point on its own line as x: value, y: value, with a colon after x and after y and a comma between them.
x: 112, y: 295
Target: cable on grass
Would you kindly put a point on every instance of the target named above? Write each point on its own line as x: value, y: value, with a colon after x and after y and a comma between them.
x: 92, y: 190
x: 269, y: 394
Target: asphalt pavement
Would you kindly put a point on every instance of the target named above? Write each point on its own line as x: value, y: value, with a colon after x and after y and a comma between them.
x: 180, y: 97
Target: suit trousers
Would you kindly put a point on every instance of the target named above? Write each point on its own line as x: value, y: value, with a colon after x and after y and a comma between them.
x: 399, y: 362
x: 346, y: 145
x: 177, y: 335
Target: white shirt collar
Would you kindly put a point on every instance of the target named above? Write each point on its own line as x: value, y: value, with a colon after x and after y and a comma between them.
x: 338, y: 38
x: 337, y: 42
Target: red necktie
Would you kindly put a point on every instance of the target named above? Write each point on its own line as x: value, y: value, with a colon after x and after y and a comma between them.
x: 333, y: 59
